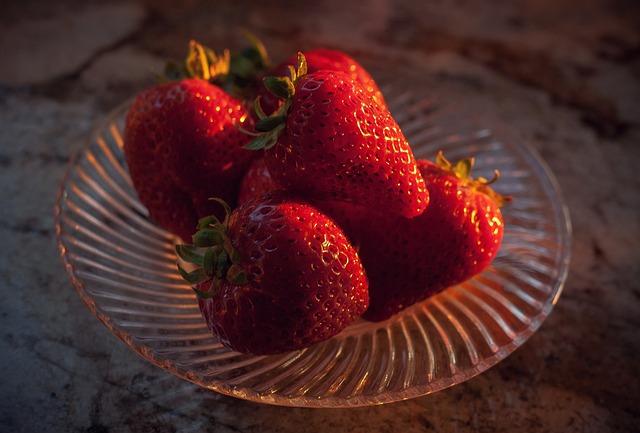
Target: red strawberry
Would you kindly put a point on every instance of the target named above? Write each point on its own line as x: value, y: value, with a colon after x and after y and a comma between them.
x: 256, y: 180
x: 182, y: 147
x: 332, y: 141
x: 277, y: 275
x: 181, y: 142
x: 408, y: 260
x: 323, y: 59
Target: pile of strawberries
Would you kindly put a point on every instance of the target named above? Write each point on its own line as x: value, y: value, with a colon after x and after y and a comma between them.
x: 300, y: 202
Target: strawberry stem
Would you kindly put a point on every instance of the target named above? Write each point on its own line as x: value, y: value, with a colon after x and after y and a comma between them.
x: 212, y: 254
x: 462, y: 170
x: 237, y: 72
x: 257, y: 108
x: 268, y: 128
x: 203, y: 63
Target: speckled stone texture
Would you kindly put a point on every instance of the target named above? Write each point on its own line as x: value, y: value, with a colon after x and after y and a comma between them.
x: 563, y: 75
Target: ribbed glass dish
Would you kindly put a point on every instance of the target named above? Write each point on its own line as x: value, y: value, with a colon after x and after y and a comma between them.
x: 124, y: 269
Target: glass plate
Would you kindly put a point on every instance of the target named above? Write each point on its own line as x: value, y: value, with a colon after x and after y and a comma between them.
x: 124, y: 269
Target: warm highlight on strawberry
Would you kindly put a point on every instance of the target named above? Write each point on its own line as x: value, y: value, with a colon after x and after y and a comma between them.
x: 276, y: 275
x: 306, y: 211
x: 181, y: 140
x: 182, y: 147
x: 409, y: 260
x: 331, y: 140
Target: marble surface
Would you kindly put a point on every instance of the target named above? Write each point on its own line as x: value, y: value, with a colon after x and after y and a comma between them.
x: 565, y: 77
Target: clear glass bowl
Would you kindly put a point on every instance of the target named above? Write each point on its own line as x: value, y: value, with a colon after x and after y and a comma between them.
x: 124, y: 269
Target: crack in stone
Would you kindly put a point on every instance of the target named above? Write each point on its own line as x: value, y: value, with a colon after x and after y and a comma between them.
x: 26, y: 228
x: 27, y: 157
x: 60, y: 87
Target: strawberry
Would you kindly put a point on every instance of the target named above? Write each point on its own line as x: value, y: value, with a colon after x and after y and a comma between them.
x: 322, y: 59
x: 458, y: 235
x: 255, y: 181
x: 182, y: 145
x: 275, y: 275
x: 332, y: 141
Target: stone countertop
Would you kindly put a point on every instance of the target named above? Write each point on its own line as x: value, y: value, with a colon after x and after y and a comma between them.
x: 565, y: 77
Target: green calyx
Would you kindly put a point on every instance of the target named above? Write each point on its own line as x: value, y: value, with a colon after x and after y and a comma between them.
x: 462, y: 170
x: 211, y: 255
x: 269, y: 127
x: 237, y: 72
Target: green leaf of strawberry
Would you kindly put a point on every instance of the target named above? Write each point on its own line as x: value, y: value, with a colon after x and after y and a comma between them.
x: 237, y: 72
x: 212, y: 253
x: 462, y: 171
x: 190, y: 254
x: 270, y: 123
x: 193, y: 277
x: 282, y: 87
x: 313, y: 61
